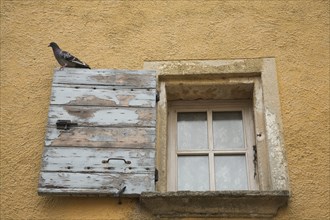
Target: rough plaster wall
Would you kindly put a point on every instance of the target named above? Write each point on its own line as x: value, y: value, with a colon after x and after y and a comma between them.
x: 122, y: 34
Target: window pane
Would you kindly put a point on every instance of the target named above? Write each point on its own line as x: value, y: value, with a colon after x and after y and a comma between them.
x: 192, y: 130
x: 228, y: 130
x: 193, y: 173
x: 230, y: 173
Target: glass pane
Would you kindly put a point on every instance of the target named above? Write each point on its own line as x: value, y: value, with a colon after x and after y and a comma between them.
x: 192, y: 130
x: 228, y: 130
x: 193, y: 173
x: 230, y: 173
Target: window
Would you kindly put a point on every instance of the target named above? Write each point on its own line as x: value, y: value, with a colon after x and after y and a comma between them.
x: 211, y: 146
x: 199, y: 102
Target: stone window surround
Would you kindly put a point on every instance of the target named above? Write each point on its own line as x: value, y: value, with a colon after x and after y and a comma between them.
x: 255, y: 76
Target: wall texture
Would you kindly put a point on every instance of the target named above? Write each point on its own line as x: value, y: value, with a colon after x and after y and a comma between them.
x: 123, y: 34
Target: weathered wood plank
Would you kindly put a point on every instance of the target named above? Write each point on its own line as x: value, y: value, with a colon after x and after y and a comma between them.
x: 132, y: 137
x: 103, y: 97
x: 103, y: 116
x: 95, y: 183
x: 129, y: 79
x: 91, y: 160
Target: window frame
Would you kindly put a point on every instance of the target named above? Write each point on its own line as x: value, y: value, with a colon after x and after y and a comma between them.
x: 210, y: 106
x: 255, y: 77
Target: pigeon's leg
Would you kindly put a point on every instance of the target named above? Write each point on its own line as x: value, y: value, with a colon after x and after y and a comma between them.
x: 62, y: 67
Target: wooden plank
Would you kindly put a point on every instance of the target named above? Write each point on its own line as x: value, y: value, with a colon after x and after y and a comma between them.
x: 103, y: 116
x: 103, y: 97
x: 128, y: 79
x: 132, y: 137
x: 95, y: 183
x: 91, y: 160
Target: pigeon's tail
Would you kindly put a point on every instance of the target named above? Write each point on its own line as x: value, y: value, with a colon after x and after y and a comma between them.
x: 85, y: 66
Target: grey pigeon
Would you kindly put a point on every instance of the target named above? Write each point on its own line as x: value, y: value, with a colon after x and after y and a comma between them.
x: 65, y: 59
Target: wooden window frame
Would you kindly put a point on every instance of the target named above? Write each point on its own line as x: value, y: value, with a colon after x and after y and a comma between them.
x: 243, y: 106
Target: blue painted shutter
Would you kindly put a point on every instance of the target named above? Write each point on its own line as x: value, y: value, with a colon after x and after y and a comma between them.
x: 110, y: 145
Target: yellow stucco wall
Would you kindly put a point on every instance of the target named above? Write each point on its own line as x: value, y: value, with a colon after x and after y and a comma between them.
x: 123, y: 34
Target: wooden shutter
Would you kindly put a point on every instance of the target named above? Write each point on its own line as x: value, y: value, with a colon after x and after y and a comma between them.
x: 110, y: 146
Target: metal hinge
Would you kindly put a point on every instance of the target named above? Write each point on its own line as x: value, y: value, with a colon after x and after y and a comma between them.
x: 157, y: 96
x: 65, y: 124
x: 156, y: 175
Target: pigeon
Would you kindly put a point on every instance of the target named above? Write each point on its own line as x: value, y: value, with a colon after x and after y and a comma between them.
x: 65, y: 59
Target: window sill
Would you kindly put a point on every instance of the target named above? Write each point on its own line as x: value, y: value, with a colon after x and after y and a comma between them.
x: 261, y: 204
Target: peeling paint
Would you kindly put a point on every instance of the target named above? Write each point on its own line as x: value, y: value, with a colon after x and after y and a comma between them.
x: 78, y: 112
x: 116, y: 116
x: 95, y: 100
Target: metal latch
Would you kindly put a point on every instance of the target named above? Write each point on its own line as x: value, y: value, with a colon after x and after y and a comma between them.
x: 255, y: 160
x: 65, y: 124
x: 120, y: 193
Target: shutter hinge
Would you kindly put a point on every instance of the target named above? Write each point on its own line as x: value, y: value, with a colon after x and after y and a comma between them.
x: 157, y: 96
x: 65, y: 124
x: 156, y: 175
